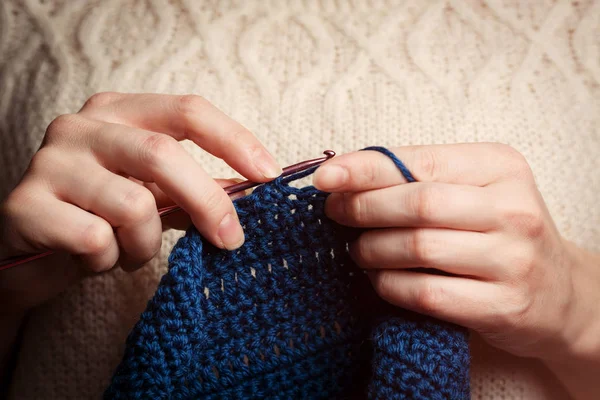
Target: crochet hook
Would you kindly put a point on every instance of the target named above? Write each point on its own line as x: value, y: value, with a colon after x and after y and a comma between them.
x: 241, y: 186
x: 162, y: 212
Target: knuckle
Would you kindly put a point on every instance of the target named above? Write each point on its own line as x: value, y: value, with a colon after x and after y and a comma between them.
x: 507, y: 151
x: 356, y: 207
x: 383, y: 284
x: 24, y: 198
x: 428, y: 164
x: 215, y: 202
x: 515, y: 161
x: 17, y: 202
x: 365, y: 175
x: 138, y: 204
x: 190, y: 104
x: 429, y: 298
x: 523, y: 262
x: 424, y: 203
x: 62, y: 125
x: 362, y: 250
x: 236, y: 139
x: 529, y: 222
x: 211, y: 207
x: 241, y: 135
x: 157, y: 149
x: 45, y: 158
x: 534, y: 225
x: 101, y: 99
x: 97, y: 238
x: 515, y: 309
x: 419, y: 246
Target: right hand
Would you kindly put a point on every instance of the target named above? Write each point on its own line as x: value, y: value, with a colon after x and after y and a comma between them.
x: 93, y: 188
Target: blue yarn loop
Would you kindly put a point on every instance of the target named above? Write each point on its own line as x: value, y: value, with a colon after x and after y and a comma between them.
x: 405, y: 172
x: 288, y: 315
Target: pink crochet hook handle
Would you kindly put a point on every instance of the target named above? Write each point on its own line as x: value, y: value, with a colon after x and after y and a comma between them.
x: 162, y: 212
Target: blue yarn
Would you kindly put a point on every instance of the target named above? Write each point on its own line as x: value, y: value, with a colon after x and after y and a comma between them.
x: 286, y: 316
x: 407, y: 175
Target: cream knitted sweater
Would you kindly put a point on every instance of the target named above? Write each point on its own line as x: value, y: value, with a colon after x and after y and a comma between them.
x: 304, y: 76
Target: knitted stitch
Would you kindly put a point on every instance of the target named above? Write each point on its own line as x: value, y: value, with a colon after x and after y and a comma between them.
x: 288, y: 315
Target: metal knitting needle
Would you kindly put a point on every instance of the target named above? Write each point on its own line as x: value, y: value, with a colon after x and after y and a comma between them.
x: 162, y: 212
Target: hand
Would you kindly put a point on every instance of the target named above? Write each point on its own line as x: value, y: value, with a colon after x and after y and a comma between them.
x: 94, y: 186
x: 476, y: 214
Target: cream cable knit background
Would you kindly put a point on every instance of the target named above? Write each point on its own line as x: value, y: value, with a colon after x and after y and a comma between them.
x: 305, y: 76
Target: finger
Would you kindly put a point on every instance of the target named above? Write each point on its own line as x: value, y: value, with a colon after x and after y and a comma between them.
x: 434, y: 205
x: 153, y: 157
x: 476, y: 164
x: 46, y: 223
x: 162, y: 200
x: 456, y: 252
x: 466, y: 302
x: 178, y: 220
x: 128, y: 207
x: 194, y: 118
x: 181, y: 220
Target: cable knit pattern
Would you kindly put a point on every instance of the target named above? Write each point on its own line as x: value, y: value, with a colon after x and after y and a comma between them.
x: 305, y: 76
x: 287, y: 316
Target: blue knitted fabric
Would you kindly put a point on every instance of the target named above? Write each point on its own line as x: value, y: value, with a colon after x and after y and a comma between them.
x: 286, y: 316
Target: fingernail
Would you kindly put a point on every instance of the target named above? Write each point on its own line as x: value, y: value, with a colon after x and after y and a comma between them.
x: 266, y: 165
x: 331, y: 176
x: 230, y: 233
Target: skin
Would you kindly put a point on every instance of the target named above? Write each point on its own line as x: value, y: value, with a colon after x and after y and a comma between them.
x: 92, y: 191
x: 476, y: 214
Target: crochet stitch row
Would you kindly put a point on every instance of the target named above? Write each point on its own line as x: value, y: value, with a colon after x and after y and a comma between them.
x: 288, y: 315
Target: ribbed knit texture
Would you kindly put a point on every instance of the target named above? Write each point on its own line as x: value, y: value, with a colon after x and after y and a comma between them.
x: 287, y: 316
x: 305, y: 76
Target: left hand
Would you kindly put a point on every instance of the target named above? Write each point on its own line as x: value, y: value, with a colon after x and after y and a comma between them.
x: 476, y: 214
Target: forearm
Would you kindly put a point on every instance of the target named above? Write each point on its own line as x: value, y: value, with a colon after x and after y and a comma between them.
x: 579, y: 367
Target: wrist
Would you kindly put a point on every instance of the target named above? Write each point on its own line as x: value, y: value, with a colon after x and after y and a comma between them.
x: 576, y: 362
x: 584, y: 338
